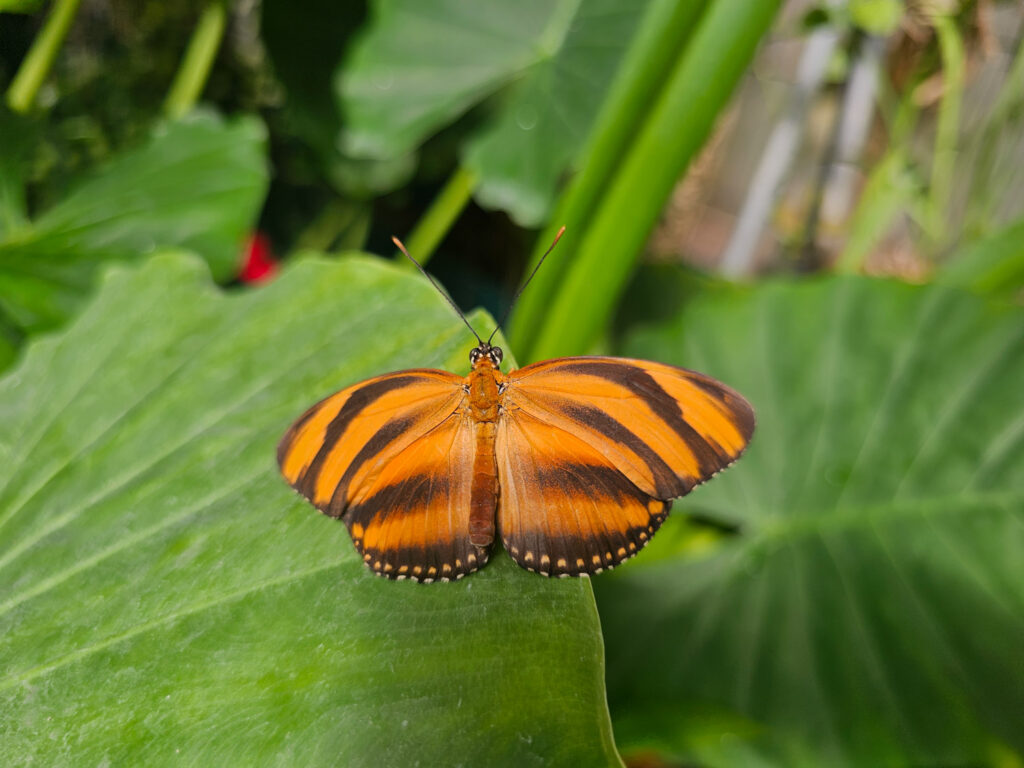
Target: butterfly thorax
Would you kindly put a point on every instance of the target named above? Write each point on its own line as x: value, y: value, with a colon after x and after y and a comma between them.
x: 485, y: 383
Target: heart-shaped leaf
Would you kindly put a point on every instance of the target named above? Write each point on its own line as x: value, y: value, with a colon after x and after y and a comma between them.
x: 869, y: 609
x: 165, y: 598
x: 423, y: 64
x: 197, y: 183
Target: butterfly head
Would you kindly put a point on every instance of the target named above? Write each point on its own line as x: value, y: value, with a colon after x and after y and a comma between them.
x: 485, y: 352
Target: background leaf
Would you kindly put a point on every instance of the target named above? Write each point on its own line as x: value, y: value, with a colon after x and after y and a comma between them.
x: 197, y: 183
x: 532, y: 143
x: 16, y: 139
x: 866, y: 608
x: 306, y: 40
x: 424, y: 64
x: 994, y: 264
x: 164, y: 591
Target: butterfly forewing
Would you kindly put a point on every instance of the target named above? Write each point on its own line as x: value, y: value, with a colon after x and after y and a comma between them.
x: 337, y: 452
x: 665, y: 428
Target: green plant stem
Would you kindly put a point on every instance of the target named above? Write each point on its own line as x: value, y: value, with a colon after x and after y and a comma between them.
x: 951, y: 49
x: 36, y: 66
x: 985, y: 189
x: 694, y: 94
x: 435, y: 223
x: 891, y: 187
x: 1011, y: 94
x: 657, y: 46
x: 340, y: 226
x: 886, y: 193
x: 195, y: 67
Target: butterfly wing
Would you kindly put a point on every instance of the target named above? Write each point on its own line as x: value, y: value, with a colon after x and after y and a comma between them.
x: 591, y: 449
x: 411, y: 520
x: 564, y: 508
x: 392, y: 457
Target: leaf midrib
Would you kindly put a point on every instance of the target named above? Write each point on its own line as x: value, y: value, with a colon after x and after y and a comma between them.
x: 812, y: 522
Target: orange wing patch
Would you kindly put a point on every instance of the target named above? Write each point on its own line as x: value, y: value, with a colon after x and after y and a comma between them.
x: 564, y: 509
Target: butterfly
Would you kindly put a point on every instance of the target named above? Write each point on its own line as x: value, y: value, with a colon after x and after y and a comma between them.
x: 572, y: 463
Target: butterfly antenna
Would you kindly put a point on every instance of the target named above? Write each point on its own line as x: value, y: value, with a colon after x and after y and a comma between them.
x: 438, y: 287
x: 522, y: 288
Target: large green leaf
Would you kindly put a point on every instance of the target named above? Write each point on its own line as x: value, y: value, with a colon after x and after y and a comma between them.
x: 197, y: 183
x: 423, y: 64
x: 869, y: 610
x: 167, y: 599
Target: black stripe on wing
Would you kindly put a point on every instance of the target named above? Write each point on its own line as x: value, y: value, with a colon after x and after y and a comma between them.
x: 666, y: 481
x: 710, y: 457
x: 357, y: 402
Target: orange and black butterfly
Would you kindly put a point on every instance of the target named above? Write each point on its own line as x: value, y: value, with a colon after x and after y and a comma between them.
x: 572, y: 462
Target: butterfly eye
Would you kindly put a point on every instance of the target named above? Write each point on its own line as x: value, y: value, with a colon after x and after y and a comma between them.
x: 495, y: 354
x: 474, y: 355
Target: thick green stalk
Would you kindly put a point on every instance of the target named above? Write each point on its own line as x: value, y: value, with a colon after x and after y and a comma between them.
x: 36, y: 66
x: 699, y: 87
x: 951, y: 47
x: 195, y: 67
x: 656, y: 47
x: 435, y: 223
x: 340, y: 226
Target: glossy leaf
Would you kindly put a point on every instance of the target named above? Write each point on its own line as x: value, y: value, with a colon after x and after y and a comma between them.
x: 535, y: 139
x: 165, y: 598
x: 544, y: 65
x: 859, y: 601
x: 197, y: 183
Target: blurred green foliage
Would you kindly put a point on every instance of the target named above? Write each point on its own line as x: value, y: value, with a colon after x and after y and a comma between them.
x: 196, y: 184
x: 872, y: 575
x: 849, y: 594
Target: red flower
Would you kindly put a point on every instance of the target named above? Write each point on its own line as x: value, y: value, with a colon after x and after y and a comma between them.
x: 259, y: 264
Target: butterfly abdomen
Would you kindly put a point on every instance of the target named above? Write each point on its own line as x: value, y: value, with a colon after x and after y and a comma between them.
x: 483, y: 498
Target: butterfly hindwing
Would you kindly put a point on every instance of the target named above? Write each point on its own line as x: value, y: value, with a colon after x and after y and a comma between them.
x: 411, y: 520
x: 564, y: 508
x: 591, y: 450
